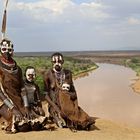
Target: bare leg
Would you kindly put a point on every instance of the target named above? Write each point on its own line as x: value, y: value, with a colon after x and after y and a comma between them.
x: 5, y: 112
x: 7, y: 115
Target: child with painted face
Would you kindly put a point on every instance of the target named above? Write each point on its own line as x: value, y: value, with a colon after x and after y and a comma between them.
x: 32, y: 91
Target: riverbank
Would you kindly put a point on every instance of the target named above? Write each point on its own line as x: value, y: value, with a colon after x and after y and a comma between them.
x: 131, y: 60
x: 84, y: 72
x: 136, y: 86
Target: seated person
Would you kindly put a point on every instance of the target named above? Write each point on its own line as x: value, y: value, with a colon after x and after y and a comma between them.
x: 62, y: 98
x: 15, y: 107
x: 11, y: 85
x: 32, y: 91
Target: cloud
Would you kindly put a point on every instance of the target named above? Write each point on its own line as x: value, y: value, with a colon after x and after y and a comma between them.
x: 73, y: 24
x: 133, y: 21
x: 55, y: 6
x: 94, y: 10
x: 60, y: 10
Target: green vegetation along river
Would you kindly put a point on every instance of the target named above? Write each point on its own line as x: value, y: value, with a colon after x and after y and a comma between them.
x: 42, y: 63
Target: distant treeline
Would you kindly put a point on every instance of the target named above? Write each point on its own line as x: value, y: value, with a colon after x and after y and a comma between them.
x: 42, y: 63
x: 84, y: 53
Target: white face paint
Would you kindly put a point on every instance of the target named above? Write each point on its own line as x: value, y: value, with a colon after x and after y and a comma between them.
x: 66, y: 87
x: 30, y: 75
x: 5, y: 47
x: 57, y: 61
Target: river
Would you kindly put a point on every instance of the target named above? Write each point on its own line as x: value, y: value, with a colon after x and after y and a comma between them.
x: 106, y: 93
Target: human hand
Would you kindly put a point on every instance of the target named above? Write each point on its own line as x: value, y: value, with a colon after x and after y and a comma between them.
x: 73, y: 97
x: 18, y: 115
x: 29, y: 114
x: 41, y: 111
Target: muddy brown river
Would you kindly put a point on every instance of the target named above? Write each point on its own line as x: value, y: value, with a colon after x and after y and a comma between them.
x: 106, y: 93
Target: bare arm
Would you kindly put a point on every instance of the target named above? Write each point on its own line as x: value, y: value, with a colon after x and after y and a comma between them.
x: 47, y: 88
x: 50, y: 102
x: 6, y: 101
x: 37, y: 96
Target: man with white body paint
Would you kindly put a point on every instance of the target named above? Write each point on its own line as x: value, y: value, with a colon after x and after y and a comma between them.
x: 11, y: 86
x: 52, y: 77
x: 62, y: 97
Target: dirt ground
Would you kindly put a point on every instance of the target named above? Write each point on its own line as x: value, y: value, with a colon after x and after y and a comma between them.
x: 105, y: 130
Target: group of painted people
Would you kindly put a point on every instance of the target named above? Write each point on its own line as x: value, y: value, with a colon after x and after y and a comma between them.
x: 21, y: 104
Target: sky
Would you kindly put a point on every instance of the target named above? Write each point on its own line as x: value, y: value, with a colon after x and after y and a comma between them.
x: 73, y: 25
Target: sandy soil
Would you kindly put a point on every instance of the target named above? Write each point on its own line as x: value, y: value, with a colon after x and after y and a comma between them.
x: 105, y: 130
x: 136, y: 86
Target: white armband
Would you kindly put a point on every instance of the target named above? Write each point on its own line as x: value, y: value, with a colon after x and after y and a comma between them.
x: 25, y: 101
x: 8, y: 103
